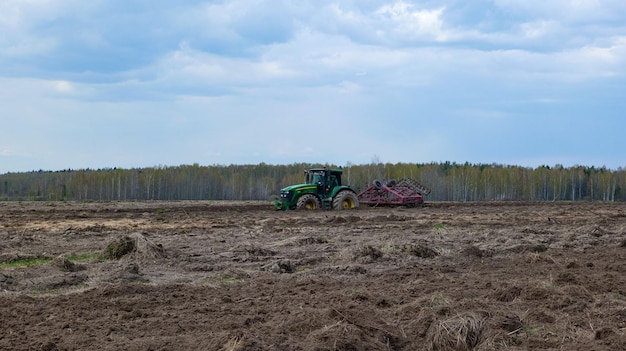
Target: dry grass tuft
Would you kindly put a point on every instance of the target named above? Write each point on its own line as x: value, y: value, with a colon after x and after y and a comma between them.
x: 459, y: 333
x: 233, y: 344
x: 367, y: 251
x: 119, y: 248
x: 136, y: 244
x: 535, y: 257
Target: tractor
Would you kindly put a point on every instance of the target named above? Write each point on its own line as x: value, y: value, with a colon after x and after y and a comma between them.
x: 322, y: 188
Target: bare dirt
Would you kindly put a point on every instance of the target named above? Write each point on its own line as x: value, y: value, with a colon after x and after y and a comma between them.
x: 241, y: 276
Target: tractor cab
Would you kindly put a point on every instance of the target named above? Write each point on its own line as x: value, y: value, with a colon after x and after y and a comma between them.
x: 325, y: 180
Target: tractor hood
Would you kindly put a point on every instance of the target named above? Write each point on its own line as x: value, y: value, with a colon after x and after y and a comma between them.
x: 287, y: 194
x: 298, y: 187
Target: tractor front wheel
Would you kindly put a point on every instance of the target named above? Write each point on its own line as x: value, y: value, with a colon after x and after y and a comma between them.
x: 308, y: 202
x: 345, y: 200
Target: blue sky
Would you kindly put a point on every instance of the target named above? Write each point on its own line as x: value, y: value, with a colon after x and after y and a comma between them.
x: 109, y: 83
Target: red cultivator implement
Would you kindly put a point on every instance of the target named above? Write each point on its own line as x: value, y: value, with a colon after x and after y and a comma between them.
x: 405, y: 192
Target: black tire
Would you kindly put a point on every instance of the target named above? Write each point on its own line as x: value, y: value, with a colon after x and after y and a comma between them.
x: 345, y: 200
x: 378, y: 184
x: 308, y: 202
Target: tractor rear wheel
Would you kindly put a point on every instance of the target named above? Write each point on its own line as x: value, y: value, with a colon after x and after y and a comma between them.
x: 345, y: 200
x: 308, y: 202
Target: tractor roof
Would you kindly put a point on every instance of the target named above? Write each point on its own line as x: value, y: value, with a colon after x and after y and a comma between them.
x: 326, y: 169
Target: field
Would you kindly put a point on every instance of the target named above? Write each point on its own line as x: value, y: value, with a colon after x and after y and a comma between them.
x: 241, y: 276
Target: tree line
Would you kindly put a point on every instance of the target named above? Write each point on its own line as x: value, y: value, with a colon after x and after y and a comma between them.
x: 449, y: 182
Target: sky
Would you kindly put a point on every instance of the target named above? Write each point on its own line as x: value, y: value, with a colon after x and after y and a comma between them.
x: 112, y: 83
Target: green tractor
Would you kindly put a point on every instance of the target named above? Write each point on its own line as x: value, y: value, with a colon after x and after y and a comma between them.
x: 321, y: 189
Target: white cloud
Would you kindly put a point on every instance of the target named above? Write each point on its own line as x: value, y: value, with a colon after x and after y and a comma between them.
x: 538, y: 29
x: 199, y: 70
x: 63, y: 86
x: 593, y: 62
x: 6, y: 151
x: 413, y: 23
x: 345, y: 16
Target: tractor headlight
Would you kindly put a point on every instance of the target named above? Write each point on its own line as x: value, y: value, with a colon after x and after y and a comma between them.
x: 287, y: 195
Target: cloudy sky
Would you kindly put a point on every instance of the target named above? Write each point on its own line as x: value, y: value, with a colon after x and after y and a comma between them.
x: 111, y: 83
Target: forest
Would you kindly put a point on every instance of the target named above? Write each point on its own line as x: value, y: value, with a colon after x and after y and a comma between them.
x: 449, y: 181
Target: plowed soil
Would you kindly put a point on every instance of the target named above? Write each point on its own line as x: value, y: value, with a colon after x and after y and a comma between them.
x: 241, y: 276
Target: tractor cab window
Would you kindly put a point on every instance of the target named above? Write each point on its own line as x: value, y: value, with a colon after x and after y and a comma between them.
x: 332, y: 181
x: 318, y: 178
x: 338, y: 178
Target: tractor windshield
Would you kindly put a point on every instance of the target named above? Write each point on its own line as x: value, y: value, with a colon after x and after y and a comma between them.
x: 318, y: 177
